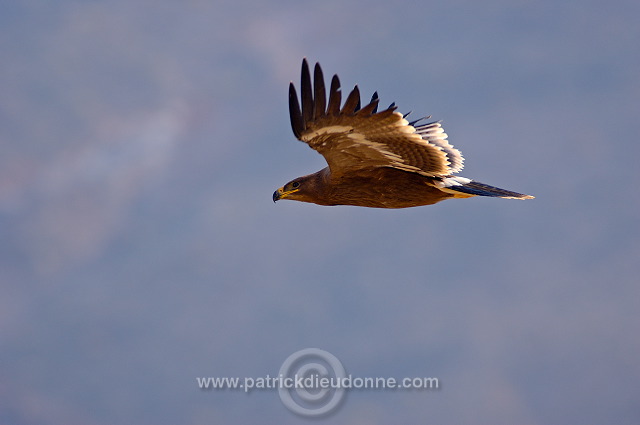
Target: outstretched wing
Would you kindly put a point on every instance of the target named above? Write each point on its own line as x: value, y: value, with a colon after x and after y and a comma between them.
x: 352, y: 138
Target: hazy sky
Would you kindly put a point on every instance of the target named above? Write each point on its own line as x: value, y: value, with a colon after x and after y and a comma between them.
x: 141, y: 142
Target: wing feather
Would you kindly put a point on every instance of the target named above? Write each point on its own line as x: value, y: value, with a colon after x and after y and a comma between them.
x: 353, y: 139
x: 297, y: 123
x: 375, y: 99
x: 370, y: 109
x: 307, y: 96
x: 334, y: 97
x: 434, y: 134
x: 352, y: 104
x: 319, y: 92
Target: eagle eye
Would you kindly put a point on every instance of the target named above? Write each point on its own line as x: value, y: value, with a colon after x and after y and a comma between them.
x: 295, y: 185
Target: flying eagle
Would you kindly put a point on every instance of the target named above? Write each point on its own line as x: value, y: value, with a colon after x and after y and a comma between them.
x: 376, y: 159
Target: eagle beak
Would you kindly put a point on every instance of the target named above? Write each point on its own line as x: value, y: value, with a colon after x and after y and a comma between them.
x: 278, y: 194
x: 281, y: 194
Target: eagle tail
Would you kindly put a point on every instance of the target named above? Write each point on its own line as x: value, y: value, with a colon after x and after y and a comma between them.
x: 464, y: 188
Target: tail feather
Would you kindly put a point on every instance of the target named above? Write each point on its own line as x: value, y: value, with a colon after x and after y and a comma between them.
x: 470, y: 187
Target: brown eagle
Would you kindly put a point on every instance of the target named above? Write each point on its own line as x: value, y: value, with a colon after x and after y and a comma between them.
x: 376, y: 159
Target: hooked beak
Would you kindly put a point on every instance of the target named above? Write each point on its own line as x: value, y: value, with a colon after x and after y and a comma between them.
x: 282, y: 194
x: 277, y: 195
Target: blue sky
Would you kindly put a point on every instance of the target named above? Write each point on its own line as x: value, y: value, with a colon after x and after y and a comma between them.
x: 141, y: 143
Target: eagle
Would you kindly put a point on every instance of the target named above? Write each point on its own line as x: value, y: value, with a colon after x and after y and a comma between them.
x: 375, y: 159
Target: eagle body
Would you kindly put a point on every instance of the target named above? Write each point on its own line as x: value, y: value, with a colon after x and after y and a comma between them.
x: 375, y: 159
x: 381, y: 187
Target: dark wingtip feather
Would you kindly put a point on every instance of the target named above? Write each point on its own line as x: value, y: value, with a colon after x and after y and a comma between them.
x: 371, y: 108
x: 306, y: 92
x: 334, y: 97
x: 412, y: 123
x: 319, y: 92
x: 352, y: 102
x: 376, y: 99
x: 297, y: 123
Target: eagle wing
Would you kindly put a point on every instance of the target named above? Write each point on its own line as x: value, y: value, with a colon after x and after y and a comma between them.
x: 352, y: 138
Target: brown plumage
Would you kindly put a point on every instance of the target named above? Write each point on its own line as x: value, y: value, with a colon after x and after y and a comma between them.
x: 376, y: 159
